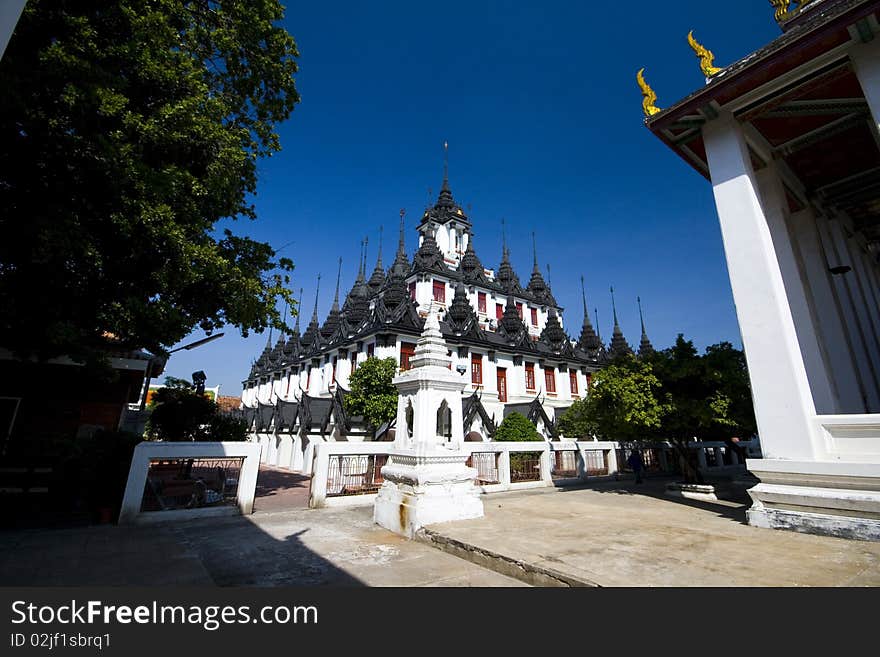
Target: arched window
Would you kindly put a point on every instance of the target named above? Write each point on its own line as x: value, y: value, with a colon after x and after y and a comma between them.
x: 444, y: 421
x: 409, y: 419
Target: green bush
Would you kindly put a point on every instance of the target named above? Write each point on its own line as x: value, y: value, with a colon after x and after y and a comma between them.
x: 516, y: 427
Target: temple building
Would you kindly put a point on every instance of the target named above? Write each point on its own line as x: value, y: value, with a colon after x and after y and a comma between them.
x: 505, y: 338
x: 788, y: 138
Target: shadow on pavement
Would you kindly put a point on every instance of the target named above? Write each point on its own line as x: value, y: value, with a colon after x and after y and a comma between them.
x: 655, y: 487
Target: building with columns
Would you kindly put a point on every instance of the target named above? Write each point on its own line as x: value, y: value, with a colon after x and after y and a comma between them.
x: 506, y: 339
x: 788, y: 138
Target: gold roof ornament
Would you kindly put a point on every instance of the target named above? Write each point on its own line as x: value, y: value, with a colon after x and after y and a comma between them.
x: 782, y: 12
x: 648, y: 95
x: 707, y: 59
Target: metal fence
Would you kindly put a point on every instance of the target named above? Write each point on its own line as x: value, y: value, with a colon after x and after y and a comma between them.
x: 355, y: 474
x: 564, y: 464
x: 486, y: 464
x: 191, y: 483
x: 595, y: 463
x: 525, y: 466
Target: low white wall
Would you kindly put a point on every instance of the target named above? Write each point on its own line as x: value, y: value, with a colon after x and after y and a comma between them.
x: 150, y: 451
x: 323, y: 451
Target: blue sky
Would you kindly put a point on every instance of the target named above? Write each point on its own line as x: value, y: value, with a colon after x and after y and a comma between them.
x: 540, y: 107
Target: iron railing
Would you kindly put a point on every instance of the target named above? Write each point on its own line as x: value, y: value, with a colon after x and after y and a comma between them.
x: 525, y: 466
x: 564, y: 464
x: 595, y: 462
x: 486, y: 464
x: 355, y: 474
x: 191, y: 483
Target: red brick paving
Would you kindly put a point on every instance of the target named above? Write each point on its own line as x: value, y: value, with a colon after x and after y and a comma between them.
x: 279, y: 489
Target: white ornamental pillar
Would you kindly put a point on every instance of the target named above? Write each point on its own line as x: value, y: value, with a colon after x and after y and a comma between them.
x: 426, y: 479
x: 783, y: 400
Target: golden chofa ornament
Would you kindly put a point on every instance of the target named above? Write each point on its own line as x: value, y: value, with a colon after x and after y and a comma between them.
x: 648, y: 95
x: 782, y: 13
x: 707, y: 59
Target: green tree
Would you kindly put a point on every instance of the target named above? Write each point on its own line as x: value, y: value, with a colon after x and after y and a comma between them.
x: 373, y: 396
x: 623, y: 404
x: 516, y: 427
x: 706, y: 397
x: 130, y: 129
x: 179, y: 413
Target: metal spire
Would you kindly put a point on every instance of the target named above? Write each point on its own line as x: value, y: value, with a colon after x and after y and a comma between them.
x: 338, y: 277
x: 445, y: 165
x: 401, y: 246
x: 613, y: 306
x: 361, y: 262
x: 598, y: 331
x: 379, y: 258
x: 584, y: 296
x: 641, y: 318
x: 503, y: 240
x: 298, y: 309
x: 315, y: 311
x: 548, y: 274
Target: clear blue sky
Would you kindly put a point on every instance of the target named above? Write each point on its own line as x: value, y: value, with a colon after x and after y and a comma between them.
x: 540, y: 107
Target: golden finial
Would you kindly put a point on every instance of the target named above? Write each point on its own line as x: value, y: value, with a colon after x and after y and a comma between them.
x: 705, y: 55
x: 781, y: 7
x: 648, y: 95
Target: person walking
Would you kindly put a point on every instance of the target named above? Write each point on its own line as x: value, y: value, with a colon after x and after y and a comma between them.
x: 636, y: 463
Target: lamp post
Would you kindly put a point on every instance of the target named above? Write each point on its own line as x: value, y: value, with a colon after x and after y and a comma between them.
x: 186, y: 347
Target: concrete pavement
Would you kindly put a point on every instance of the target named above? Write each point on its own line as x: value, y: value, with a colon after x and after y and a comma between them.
x: 623, y: 534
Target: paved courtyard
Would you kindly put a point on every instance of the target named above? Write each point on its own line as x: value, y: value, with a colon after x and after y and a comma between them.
x: 611, y: 534
x: 623, y: 534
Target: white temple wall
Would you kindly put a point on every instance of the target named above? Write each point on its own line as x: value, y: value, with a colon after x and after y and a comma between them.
x: 833, y: 336
x: 831, y: 237
x: 774, y: 207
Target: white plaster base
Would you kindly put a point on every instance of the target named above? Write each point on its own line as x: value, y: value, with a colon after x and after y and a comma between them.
x: 426, y: 488
x: 845, y: 513
x: 704, y: 492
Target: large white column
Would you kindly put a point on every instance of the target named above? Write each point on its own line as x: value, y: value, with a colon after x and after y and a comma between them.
x: 834, y: 338
x: 775, y: 206
x: 783, y: 400
x: 866, y: 63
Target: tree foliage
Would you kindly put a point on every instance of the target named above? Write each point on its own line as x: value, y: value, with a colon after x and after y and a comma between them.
x: 179, y: 413
x: 622, y: 405
x: 129, y: 130
x: 516, y: 427
x: 675, y: 395
x: 373, y: 396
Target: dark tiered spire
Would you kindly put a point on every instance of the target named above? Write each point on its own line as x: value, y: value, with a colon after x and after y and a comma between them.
x: 445, y: 199
x: 645, y: 346
x: 619, y: 345
x: 332, y: 321
x: 507, y: 278
x: 377, y: 279
x: 311, y: 335
x: 537, y: 287
x: 588, y: 341
x: 470, y: 267
x: 400, y: 267
x: 511, y: 323
x: 429, y: 257
x: 553, y: 334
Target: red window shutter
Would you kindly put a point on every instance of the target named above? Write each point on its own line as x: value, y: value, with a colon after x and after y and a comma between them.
x: 412, y: 290
x: 519, y: 310
x: 477, y: 369
x: 354, y: 361
x: 534, y: 316
x: 407, y: 351
x: 371, y: 349
x: 589, y: 381
x: 481, y: 302
x: 550, y: 379
x: 439, y: 291
x: 530, y: 376
x: 502, y: 384
x: 573, y: 380
x: 499, y: 311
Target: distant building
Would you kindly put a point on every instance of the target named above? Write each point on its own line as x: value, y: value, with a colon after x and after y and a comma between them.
x: 505, y: 338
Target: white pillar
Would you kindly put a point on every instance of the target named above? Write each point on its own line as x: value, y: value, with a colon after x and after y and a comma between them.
x: 866, y: 63
x: 834, y: 338
x: 783, y: 399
